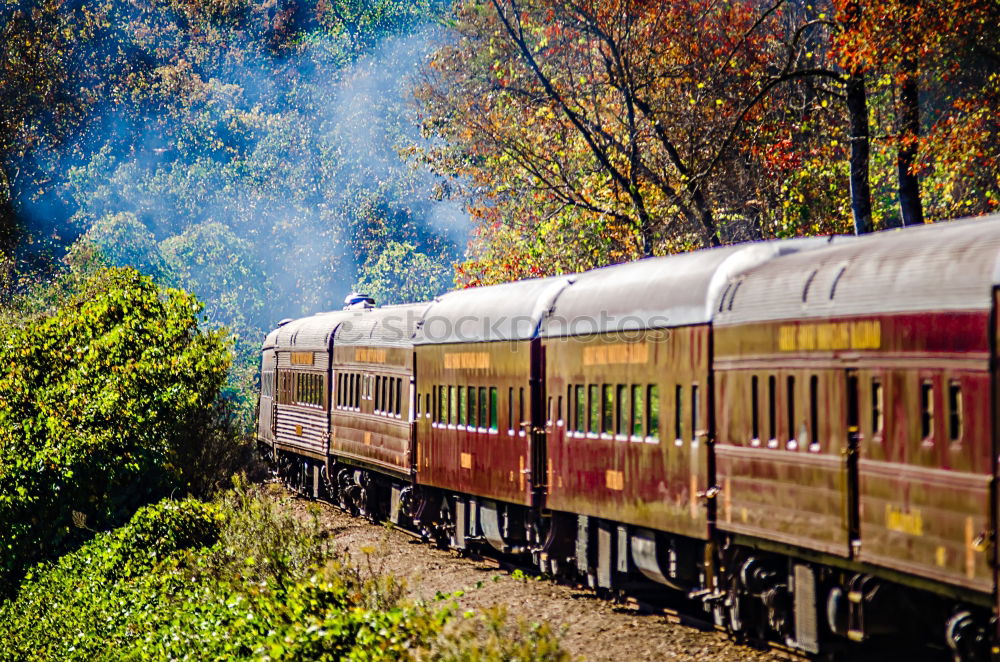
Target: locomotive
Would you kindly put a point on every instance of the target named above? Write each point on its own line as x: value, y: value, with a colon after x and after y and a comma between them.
x: 799, y: 436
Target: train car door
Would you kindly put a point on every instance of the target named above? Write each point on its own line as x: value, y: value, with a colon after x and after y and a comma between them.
x: 853, y: 429
x: 995, y: 435
x: 266, y: 404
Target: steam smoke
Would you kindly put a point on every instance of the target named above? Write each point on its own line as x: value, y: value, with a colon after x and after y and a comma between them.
x: 256, y: 194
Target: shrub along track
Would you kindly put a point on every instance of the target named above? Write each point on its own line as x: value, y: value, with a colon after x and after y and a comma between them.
x: 589, y: 627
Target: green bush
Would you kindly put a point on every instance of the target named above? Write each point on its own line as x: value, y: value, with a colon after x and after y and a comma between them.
x: 104, y: 400
x: 191, y: 581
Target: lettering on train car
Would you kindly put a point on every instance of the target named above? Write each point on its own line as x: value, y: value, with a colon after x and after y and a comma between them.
x: 466, y: 361
x: 865, y: 334
x: 302, y: 358
x: 616, y: 354
x: 369, y: 355
x: 911, y: 523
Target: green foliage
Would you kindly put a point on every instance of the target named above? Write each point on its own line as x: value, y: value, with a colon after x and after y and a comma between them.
x: 104, y: 401
x: 125, y: 242
x: 402, y: 274
x: 244, y: 151
x: 196, y: 581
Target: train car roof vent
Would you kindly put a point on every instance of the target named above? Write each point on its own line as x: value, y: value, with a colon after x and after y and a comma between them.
x: 809, y: 282
x: 357, y: 300
x: 836, y: 281
x: 284, y: 322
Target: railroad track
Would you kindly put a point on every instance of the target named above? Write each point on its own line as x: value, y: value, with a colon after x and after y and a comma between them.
x: 674, y: 615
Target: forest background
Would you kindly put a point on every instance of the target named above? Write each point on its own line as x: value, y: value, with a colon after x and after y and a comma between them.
x: 269, y: 157
x: 272, y: 156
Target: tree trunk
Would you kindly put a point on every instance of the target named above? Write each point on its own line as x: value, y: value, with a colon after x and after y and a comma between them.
x: 908, y: 118
x: 861, y: 195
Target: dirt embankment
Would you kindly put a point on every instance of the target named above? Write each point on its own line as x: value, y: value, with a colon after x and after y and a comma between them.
x: 590, y: 628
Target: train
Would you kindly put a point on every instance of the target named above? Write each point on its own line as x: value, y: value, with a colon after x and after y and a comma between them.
x: 797, y: 436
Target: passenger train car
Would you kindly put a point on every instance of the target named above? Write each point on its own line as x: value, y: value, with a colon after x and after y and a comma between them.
x: 797, y: 435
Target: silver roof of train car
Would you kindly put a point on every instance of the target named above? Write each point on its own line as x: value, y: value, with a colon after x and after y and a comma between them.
x: 942, y: 266
x: 309, y: 333
x: 270, y: 339
x: 511, y: 311
x: 677, y: 290
x: 391, y: 326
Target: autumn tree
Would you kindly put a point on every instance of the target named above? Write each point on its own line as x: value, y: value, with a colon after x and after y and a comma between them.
x: 628, y: 128
x: 934, y: 65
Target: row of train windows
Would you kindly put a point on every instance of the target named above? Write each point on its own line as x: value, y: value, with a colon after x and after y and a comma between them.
x: 301, y: 388
x: 623, y: 409
x: 876, y: 410
x: 464, y: 405
x: 385, y: 392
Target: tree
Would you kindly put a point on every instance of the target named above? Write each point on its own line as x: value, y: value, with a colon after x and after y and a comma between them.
x: 653, y: 121
x: 932, y: 53
x: 401, y: 274
x: 101, y: 399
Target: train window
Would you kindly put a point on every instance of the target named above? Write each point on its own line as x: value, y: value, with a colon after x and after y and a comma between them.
x: 653, y: 412
x: 581, y: 409
x: 356, y: 391
x: 418, y: 405
x: 754, y: 408
x: 452, y: 406
x: 399, y: 396
x: 637, y: 410
x: 338, y: 396
x: 510, y: 409
x: 559, y: 411
x: 772, y: 413
x: 386, y: 395
x: 308, y: 389
x: 623, y: 411
x: 427, y: 404
x: 473, y: 407
x: 390, y: 399
x: 594, y: 399
x: 790, y: 406
x: 552, y: 414
x: 955, y: 411
x: 694, y: 411
x: 463, y: 406
x: 378, y: 393
x: 678, y: 411
x: 442, y: 404
x: 926, y: 409
x: 607, y: 409
x: 434, y: 409
x: 493, y: 408
x: 814, y: 413
x: 520, y: 407
x: 878, y: 408
x: 483, y: 412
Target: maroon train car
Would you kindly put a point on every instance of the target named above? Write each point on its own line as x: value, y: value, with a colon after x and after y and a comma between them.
x: 371, y: 420
x: 628, y: 353
x: 856, y: 435
x: 480, y: 450
x: 294, y: 408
